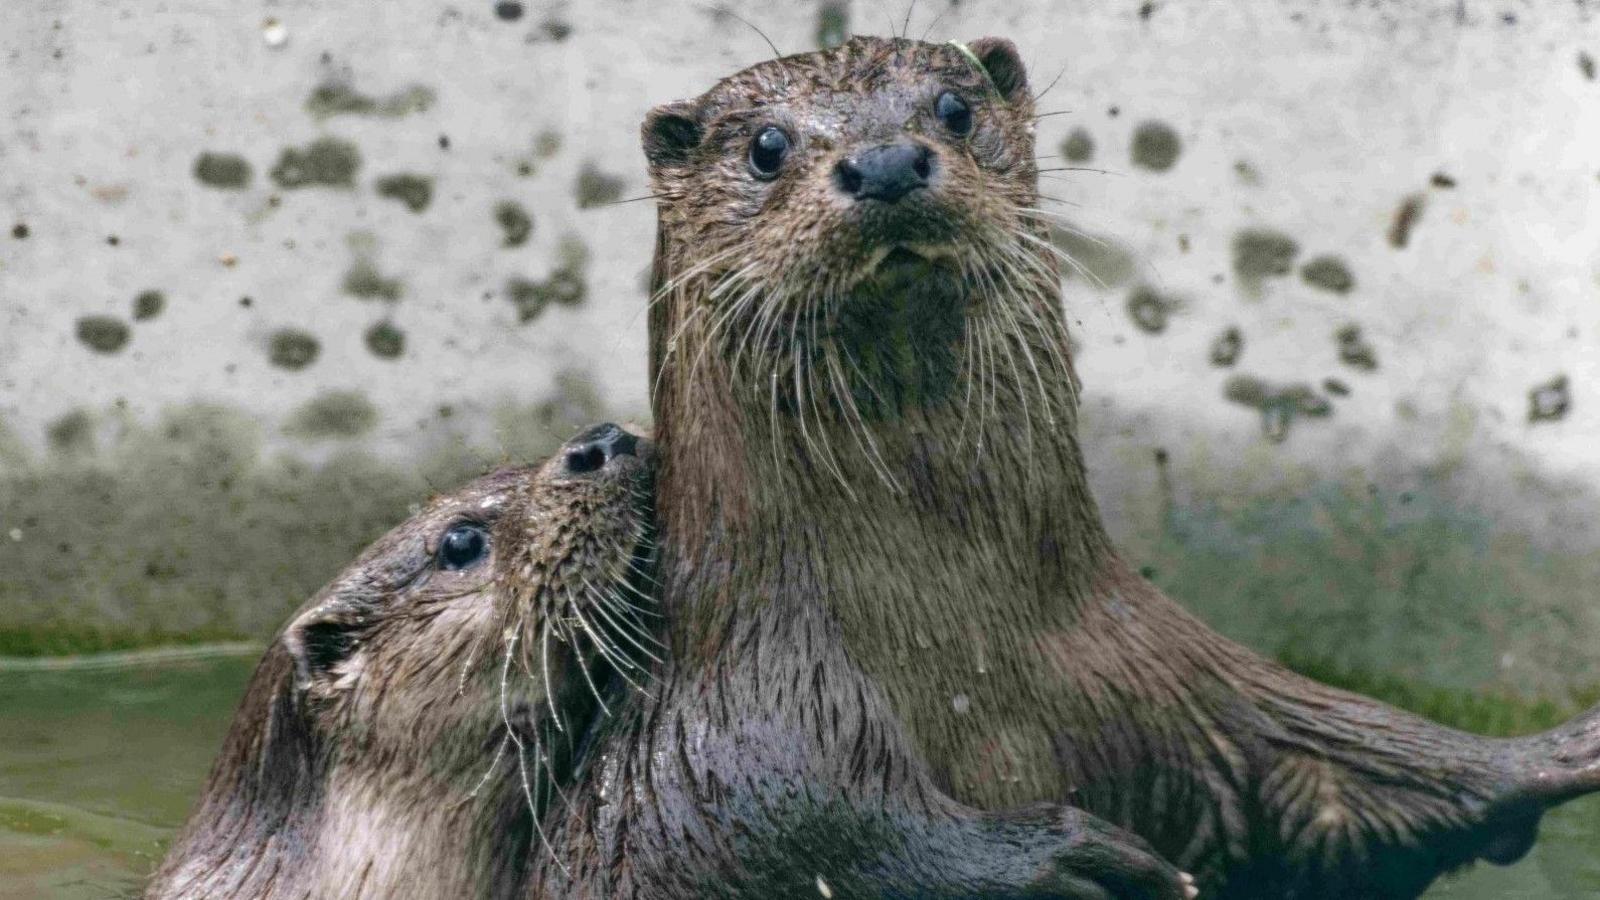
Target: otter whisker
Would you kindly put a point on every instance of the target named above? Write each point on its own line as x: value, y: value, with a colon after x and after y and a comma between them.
x: 672, y: 347
x: 1051, y: 85
x: 1025, y: 302
x: 522, y: 763
x: 494, y: 763
x: 1063, y: 255
x: 594, y: 689
x: 936, y: 20
x: 969, y: 363
x: 624, y: 632
x: 544, y: 664
x: 857, y: 425
x: 619, y: 660
x: 725, y: 11
x: 809, y: 361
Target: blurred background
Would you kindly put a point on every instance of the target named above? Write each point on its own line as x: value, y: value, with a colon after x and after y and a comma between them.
x: 273, y: 271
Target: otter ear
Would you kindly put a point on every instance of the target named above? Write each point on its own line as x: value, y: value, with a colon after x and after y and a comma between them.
x: 671, y: 132
x: 1000, y: 59
x: 321, y: 638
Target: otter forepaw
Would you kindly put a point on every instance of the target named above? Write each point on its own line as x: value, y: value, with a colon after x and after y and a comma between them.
x: 1562, y: 763
x: 1102, y: 861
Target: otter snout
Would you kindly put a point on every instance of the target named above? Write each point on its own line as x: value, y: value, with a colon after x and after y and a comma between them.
x: 596, y: 446
x: 886, y: 172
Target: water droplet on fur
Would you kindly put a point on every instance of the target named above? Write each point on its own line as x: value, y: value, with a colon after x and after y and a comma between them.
x: 822, y: 887
x: 961, y: 703
x: 274, y: 33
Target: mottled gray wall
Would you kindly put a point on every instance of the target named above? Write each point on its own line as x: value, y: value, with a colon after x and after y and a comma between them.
x: 270, y: 270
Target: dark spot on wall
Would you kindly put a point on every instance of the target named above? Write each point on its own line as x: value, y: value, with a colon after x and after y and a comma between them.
x: 1442, y: 180
x: 555, y: 29
x: 19, y: 231
x: 73, y: 433
x: 514, y: 221
x: 1549, y: 402
x: 337, y: 98
x: 222, y: 170
x: 102, y: 334
x: 148, y: 305
x: 1114, y: 111
x: 1156, y: 146
x: 1078, y: 146
x: 1247, y: 173
x: 415, y: 191
x: 508, y: 10
x: 1260, y: 253
x: 1279, y: 405
x: 365, y: 281
x: 1405, y: 218
x: 328, y: 162
x: 1149, y: 310
x: 292, y: 349
x: 113, y: 240
x: 564, y: 287
x: 1227, y: 347
x: 336, y: 414
x: 444, y: 142
x: 246, y: 302
x: 595, y: 187
x: 1586, y: 65
x: 1146, y: 10
x: 1336, y: 387
x: 385, y: 340
x: 1101, y: 261
x: 833, y: 24
x: 547, y: 144
x: 1354, y: 350
x: 1328, y: 273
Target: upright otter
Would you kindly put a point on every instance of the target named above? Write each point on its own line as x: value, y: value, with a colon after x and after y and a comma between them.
x: 400, y: 736
x: 867, y: 418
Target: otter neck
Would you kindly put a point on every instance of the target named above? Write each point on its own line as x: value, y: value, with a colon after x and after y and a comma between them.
x: 772, y: 503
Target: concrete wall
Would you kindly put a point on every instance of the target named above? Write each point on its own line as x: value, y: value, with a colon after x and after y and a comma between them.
x: 268, y: 271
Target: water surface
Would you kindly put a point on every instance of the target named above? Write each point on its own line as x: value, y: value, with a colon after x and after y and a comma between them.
x: 99, y: 766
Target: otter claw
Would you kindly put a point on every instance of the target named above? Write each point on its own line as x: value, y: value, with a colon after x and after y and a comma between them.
x: 1189, y: 890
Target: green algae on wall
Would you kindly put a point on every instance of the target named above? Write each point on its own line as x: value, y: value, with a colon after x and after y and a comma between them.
x: 1363, y: 587
x: 187, y: 530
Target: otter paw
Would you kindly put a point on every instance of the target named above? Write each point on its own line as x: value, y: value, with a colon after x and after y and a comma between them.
x: 1104, y: 862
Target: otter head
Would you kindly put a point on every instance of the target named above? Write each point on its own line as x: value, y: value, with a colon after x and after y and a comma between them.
x: 852, y: 234
x: 494, y: 618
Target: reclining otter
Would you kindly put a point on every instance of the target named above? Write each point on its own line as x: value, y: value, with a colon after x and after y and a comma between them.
x: 402, y: 734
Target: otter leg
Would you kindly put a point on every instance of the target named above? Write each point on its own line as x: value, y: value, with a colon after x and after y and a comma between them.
x: 1360, y: 795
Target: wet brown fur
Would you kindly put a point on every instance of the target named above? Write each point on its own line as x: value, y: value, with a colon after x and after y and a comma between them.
x: 400, y: 736
x: 905, y: 560
x: 768, y: 762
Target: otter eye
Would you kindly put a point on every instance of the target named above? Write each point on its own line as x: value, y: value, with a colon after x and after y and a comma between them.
x: 767, y: 151
x: 953, y: 112
x: 463, y: 546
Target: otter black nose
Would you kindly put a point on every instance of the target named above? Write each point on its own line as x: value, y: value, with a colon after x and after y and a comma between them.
x: 886, y: 172
x: 591, y: 450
